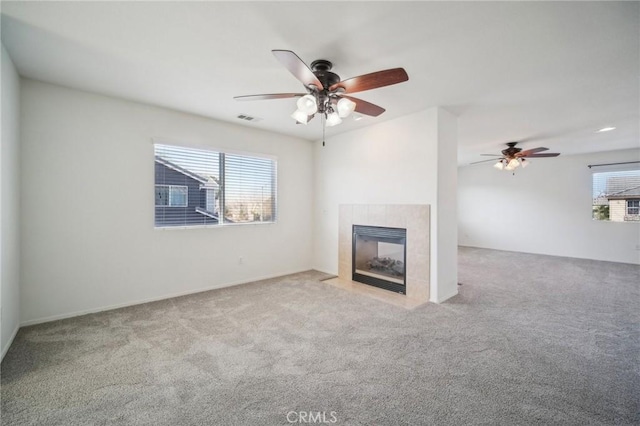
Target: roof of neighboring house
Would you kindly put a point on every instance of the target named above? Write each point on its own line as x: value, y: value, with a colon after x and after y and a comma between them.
x: 182, y: 170
x: 622, y: 187
x: 626, y: 194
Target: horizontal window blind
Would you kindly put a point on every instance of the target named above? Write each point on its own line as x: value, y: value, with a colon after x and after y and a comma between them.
x: 615, y: 194
x: 249, y: 184
x: 195, y: 187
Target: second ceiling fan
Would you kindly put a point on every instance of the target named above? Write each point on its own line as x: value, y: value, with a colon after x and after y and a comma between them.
x: 513, y: 156
x: 325, y: 93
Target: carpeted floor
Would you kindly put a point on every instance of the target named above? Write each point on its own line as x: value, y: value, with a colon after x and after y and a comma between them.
x: 529, y: 340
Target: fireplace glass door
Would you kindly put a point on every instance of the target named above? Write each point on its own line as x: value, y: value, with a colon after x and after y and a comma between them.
x: 379, y: 257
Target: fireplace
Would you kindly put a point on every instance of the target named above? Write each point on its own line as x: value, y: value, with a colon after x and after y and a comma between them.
x: 379, y: 257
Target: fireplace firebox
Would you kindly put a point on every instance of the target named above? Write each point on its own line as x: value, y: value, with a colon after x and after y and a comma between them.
x: 379, y: 257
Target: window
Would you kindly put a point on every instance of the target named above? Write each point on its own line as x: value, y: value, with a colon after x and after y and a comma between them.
x: 195, y: 187
x: 616, y: 196
x: 172, y: 196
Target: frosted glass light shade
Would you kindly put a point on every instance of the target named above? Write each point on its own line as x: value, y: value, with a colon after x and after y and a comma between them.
x: 513, y: 163
x: 345, y: 107
x: 307, y: 104
x: 333, y: 119
x: 524, y: 163
x: 300, y: 116
x: 499, y: 165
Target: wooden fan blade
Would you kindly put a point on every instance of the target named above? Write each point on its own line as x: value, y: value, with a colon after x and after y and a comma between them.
x: 366, y: 108
x: 372, y: 81
x: 531, y: 151
x: 299, y: 69
x: 268, y: 96
x: 485, y: 161
x: 549, y: 154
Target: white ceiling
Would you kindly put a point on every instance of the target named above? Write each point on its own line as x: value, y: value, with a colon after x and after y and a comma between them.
x: 546, y: 73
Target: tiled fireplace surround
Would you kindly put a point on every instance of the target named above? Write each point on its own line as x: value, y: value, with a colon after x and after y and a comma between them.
x: 412, y: 217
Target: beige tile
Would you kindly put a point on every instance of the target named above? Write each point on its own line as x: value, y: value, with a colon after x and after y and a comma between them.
x: 377, y: 215
x: 418, y: 290
x: 417, y: 266
x: 425, y: 212
x: 344, y: 270
x: 413, y: 217
x: 375, y: 293
x: 344, y: 252
x: 344, y: 238
x: 418, y: 242
x: 345, y: 213
x: 360, y: 214
x: 396, y: 215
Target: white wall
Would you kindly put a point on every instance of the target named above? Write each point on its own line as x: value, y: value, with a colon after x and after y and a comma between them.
x: 394, y: 162
x: 447, y: 213
x: 9, y: 204
x: 88, y: 206
x: 543, y: 209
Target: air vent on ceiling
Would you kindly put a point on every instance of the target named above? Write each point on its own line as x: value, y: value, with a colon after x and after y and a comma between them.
x: 249, y: 118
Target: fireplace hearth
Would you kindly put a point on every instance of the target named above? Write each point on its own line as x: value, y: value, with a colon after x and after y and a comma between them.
x: 379, y: 257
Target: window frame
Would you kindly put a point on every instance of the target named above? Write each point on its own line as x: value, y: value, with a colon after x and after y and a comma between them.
x: 186, y: 195
x: 636, y: 207
x: 611, y: 169
x: 221, y: 164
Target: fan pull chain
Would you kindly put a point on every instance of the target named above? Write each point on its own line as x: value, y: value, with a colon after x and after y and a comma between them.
x: 323, y: 127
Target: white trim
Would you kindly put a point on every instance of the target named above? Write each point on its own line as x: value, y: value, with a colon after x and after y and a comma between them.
x: 154, y: 299
x: 335, y: 274
x: 445, y: 298
x: 219, y: 225
x: 9, y: 342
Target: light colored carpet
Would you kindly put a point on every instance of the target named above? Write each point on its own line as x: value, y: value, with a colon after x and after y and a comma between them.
x: 530, y: 340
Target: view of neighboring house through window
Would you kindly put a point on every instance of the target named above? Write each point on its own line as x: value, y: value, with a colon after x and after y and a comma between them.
x: 204, y: 187
x: 616, y: 196
x: 172, y: 196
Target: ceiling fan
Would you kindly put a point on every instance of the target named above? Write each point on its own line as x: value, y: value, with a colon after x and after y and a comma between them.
x: 513, y: 157
x: 325, y: 93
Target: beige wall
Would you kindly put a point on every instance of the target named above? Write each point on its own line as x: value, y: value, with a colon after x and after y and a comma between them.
x: 617, y: 210
x: 407, y: 160
x: 550, y: 204
x: 88, y: 165
x: 10, y: 204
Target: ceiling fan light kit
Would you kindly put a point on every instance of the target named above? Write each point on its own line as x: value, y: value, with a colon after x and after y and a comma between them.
x: 300, y: 116
x: 326, y: 93
x: 307, y: 105
x: 333, y: 119
x: 345, y: 107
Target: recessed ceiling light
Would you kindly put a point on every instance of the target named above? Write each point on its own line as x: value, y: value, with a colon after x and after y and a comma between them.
x: 606, y: 129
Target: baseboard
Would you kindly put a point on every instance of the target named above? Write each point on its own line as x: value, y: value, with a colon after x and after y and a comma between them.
x: 9, y: 342
x: 445, y: 298
x: 325, y: 272
x: 149, y: 300
x: 442, y: 299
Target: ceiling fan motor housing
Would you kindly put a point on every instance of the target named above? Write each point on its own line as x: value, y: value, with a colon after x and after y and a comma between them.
x: 322, y: 69
x: 512, y: 150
